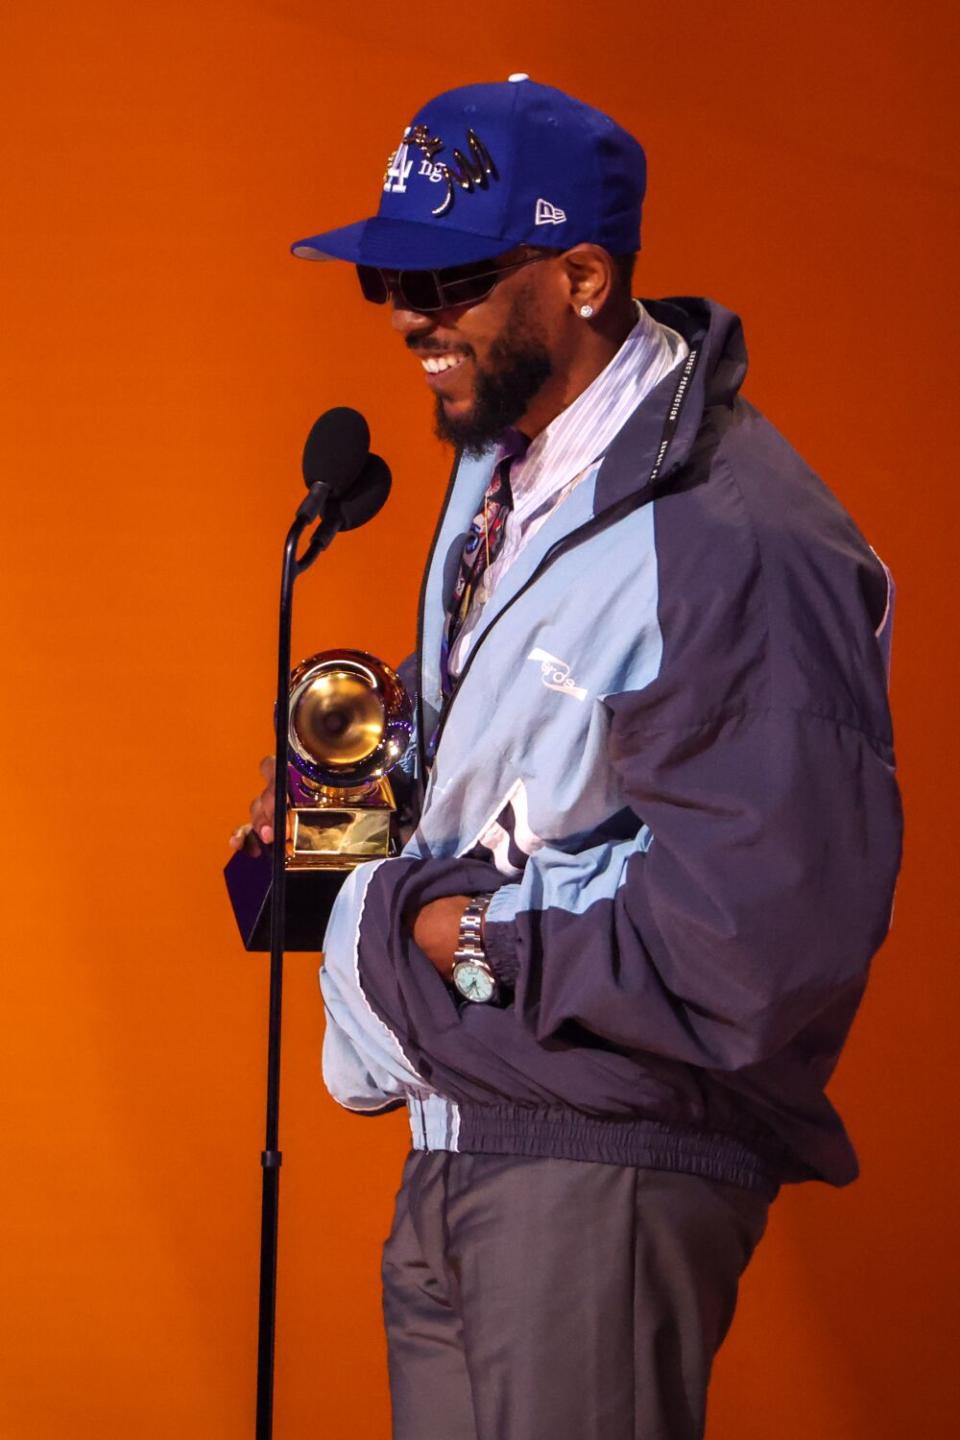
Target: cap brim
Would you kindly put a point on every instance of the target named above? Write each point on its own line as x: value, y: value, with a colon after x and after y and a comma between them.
x: 399, y: 245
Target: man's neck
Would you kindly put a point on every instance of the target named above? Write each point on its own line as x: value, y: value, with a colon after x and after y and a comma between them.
x: 596, y: 346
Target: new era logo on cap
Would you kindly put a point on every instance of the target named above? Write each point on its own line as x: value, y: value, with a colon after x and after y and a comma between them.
x: 548, y: 214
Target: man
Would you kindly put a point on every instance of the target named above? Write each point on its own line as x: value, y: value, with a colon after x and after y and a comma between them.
x: 658, y: 831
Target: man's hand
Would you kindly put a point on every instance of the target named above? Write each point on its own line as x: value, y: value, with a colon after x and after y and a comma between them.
x: 260, y: 828
x: 436, y: 930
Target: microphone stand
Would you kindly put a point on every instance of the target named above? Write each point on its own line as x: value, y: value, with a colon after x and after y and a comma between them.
x: 271, y: 1159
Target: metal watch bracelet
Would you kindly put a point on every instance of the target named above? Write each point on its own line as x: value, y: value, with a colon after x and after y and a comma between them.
x: 472, y: 976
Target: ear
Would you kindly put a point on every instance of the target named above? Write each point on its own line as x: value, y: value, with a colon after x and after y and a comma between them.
x: 590, y: 278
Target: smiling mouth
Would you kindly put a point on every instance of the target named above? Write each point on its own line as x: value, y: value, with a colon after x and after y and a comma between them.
x: 439, y: 364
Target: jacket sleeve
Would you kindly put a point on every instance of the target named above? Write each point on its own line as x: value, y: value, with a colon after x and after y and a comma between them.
x: 364, y: 1068
x: 753, y: 896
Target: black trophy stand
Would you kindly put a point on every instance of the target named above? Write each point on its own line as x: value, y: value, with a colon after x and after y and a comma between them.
x: 271, y: 1158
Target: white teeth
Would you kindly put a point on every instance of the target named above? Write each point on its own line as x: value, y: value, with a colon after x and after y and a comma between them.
x: 436, y: 364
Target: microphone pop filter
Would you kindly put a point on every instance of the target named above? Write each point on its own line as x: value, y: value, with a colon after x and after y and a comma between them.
x: 336, y: 449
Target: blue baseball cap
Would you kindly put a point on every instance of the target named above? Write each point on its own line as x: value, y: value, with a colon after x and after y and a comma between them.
x: 484, y: 168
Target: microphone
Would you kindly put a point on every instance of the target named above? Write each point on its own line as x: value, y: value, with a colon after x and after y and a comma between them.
x: 346, y: 487
x: 346, y: 483
x: 335, y: 449
x: 333, y: 457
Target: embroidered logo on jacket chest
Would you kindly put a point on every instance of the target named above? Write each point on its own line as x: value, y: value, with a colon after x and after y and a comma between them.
x: 555, y: 674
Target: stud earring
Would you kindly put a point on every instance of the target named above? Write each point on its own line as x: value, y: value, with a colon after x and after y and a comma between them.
x: 586, y: 311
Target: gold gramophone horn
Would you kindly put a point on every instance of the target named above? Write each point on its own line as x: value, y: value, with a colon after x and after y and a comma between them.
x: 338, y: 718
x: 350, y: 719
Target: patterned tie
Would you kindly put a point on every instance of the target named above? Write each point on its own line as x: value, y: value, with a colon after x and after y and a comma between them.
x: 482, y: 546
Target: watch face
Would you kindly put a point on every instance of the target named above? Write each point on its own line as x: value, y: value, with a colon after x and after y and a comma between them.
x: 474, y: 982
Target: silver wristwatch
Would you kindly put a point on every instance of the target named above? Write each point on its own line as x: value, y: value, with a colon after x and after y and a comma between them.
x: 472, y: 976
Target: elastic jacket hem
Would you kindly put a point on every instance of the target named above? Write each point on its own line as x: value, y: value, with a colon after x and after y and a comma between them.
x: 562, y: 1134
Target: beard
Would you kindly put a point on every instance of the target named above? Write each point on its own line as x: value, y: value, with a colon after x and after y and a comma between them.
x: 518, y: 366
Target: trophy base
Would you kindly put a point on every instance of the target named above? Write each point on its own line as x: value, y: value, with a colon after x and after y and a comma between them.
x: 326, y: 843
x: 310, y: 896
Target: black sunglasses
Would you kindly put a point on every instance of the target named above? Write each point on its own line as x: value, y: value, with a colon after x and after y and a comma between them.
x: 438, y: 289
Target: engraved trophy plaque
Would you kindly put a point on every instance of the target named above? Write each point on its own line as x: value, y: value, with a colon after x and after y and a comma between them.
x: 349, y: 726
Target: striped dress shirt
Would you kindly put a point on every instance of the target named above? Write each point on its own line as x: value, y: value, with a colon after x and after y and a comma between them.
x: 563, y: 453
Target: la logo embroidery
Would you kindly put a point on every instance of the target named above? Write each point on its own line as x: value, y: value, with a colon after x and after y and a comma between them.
x: 548, y: 214
x: 398, y: 168
x: 555, y: 674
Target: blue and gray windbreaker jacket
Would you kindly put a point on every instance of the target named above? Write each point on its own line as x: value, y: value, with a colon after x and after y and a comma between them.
x: 670, y: 755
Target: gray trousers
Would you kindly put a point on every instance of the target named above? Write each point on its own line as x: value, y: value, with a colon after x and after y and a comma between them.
x: 535, y: 1298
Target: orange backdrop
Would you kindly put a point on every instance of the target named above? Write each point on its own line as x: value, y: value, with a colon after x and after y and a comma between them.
x: 162, y: 360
